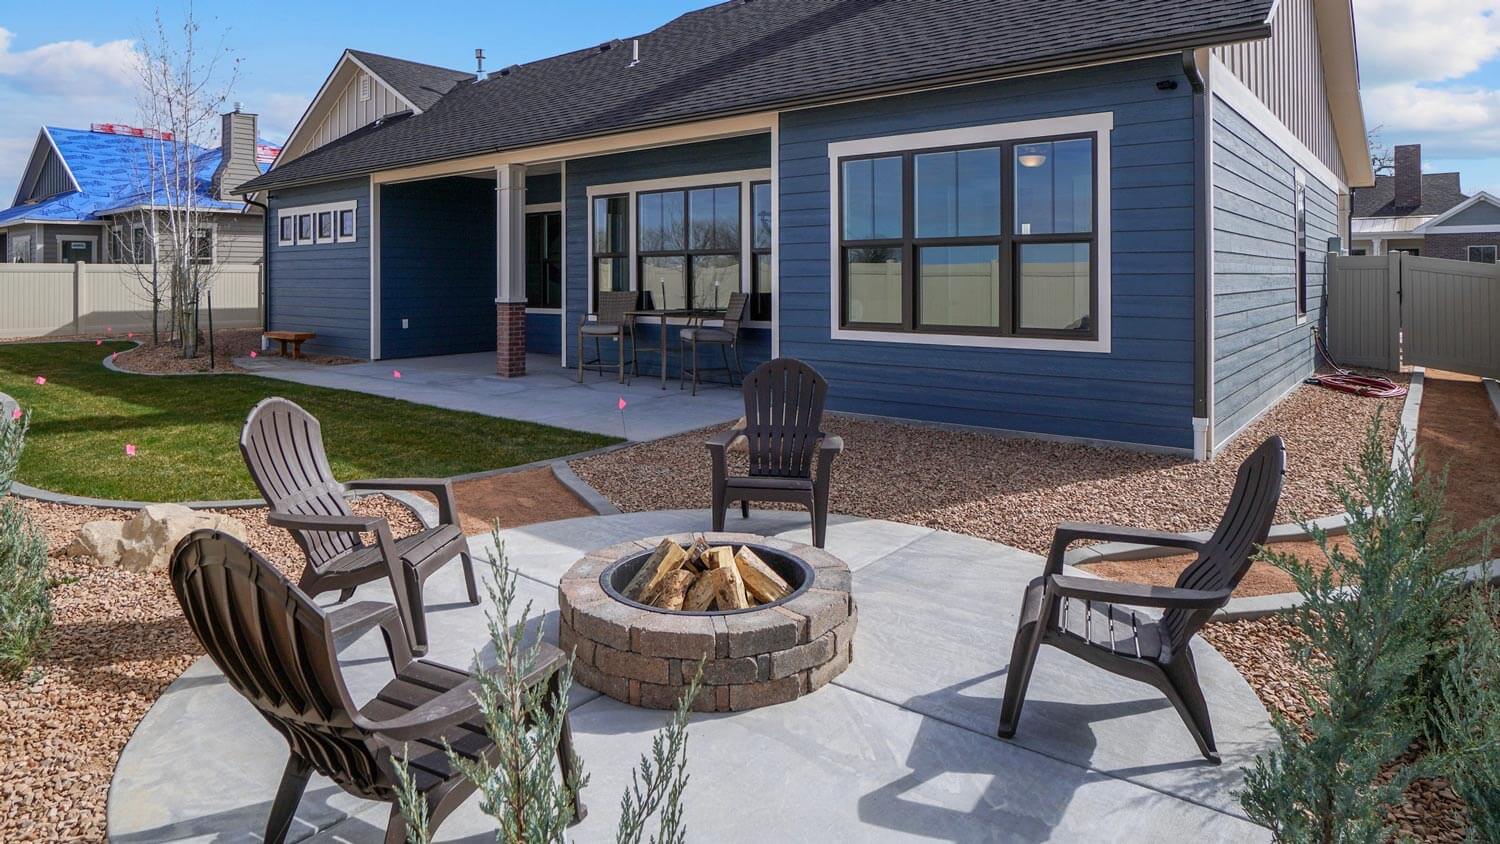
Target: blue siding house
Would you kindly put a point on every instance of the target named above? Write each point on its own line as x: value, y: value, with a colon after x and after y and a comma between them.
x: 1101, y: 226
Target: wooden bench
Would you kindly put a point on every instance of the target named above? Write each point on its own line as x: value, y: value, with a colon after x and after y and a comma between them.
x: 296, y: 338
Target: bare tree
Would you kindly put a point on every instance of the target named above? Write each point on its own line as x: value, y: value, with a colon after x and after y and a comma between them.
x: 183, y: 86
x: 1382, y: 159
x: 134, y: 240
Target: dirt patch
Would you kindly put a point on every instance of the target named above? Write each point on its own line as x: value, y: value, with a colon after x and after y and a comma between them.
x: 119, y: 640
x: 516, y: 498
x: 228, y: 345
x: 1457, y: 432
x: 1262, y: 579
x: 1016, y: 490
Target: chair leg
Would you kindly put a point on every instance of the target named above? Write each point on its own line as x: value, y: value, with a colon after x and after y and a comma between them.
x: 739, y: 372
x: 580, y: 355
x: 1186, y: 694
x: 620, y: 339
x: 682, y: 363
x: 395, y: 828
x: 288, y: 795
x: 1023, y: 654
x: 468, y: 563
x: 744, y: 508
x: 344, y: 595
x: 417, y: 613
x: 695, y: 367
x: 820, y: 520
x: 719, y: 504
x: 567, y: 757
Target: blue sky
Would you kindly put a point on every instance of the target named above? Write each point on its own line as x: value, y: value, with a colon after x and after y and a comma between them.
x: 1430, y: 68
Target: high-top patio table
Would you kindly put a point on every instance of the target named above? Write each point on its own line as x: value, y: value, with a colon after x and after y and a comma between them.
x: 662, y: 315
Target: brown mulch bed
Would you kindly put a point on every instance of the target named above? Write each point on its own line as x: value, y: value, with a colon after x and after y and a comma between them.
x: 1015, y: 490
x: 229, y: 343
x: 516, y: 498
x: 1458, y: 434
x: 119, y: 640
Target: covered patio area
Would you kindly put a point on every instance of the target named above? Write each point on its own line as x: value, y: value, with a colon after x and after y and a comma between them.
x: 547, y: 394
x: 900, y: 747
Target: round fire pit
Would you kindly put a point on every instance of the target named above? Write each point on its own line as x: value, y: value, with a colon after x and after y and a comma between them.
x: 763, y: 655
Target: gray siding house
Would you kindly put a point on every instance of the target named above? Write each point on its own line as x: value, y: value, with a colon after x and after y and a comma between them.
x: 1104, y: 223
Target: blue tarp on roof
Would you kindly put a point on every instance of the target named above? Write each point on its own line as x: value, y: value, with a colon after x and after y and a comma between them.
x: 113, y: 172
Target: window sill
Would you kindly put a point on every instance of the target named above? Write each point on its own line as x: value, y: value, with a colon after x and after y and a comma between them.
x: 1039, y: 344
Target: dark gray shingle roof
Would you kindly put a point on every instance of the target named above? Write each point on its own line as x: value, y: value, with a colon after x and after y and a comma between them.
x: 1440, y: 192
x: 423, y: 84
x: 750, y: 55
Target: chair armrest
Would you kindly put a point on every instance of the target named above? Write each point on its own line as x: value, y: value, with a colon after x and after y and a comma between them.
x: 831, y: 445
x: 829, y: 448
x: 1114, y: 533
x: 1136, y: 594
x: 722, y: 439
x: 439, y: 488
x: 358, y: 617
x: 343, y: 524
x: 458, y: 704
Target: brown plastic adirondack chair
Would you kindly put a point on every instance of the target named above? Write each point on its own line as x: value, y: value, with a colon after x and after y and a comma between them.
x: 276, y: 648
x: 784, y: 431
x: 283, y: 449
x: 1091, y: 618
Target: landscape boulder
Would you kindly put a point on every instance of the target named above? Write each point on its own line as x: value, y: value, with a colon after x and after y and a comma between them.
x: 146, y: 542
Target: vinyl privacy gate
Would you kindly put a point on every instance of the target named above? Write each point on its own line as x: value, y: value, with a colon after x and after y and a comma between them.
x: 1389, y: 310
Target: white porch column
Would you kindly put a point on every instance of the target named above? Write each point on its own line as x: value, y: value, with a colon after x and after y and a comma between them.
x: 510, y: 270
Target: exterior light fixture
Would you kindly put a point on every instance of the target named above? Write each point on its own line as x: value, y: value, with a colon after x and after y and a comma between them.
x: 1032, y: 159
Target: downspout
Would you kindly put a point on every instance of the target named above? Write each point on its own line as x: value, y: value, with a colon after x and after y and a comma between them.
x: 265, y: 260
x: 1203, y: 439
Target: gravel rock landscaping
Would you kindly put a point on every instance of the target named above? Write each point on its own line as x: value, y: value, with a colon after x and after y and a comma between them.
x: 119, y: 640
x: 1016, y: 490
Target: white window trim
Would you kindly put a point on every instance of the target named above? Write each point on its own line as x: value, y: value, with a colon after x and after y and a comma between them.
x: 213, y: 245
x: 1473, y: 246
x: 550, y: 208
x: 1100, y: 124
x: 313, y: 211
x: 743, y: 178
x: 18, y: 249
x: 93, y: 239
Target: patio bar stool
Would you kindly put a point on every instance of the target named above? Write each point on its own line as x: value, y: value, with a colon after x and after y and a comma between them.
x: 726, y: 337
x: 613, y: 323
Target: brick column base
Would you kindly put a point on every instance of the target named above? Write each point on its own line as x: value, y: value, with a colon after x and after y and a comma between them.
x: 510, y: 339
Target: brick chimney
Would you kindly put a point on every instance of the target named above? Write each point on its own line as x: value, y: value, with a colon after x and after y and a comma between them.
x: 237, y: 139
x: 1408, y: 176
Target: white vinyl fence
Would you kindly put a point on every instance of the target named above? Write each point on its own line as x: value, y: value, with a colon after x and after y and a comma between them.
x: 41, y: 300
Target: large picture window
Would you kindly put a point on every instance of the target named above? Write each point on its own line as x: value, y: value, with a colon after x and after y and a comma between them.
x: 689, y: 246
x: 994, y: 238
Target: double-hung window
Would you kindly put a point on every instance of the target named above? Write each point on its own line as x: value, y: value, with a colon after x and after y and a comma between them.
x: 611, y: 244
x: 760, y: 251
x: 688, y: 244
x: 1482, y: 254
x: 995, y: 238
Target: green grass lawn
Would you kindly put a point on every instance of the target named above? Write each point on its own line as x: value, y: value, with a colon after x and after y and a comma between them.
x: 186, y: 429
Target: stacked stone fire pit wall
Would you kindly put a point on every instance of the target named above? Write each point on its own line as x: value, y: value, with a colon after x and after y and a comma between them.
x: 753, y: 658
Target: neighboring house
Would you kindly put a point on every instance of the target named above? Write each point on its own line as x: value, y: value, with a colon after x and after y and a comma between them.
x: 87, y: 195
x: 1391, y: 215
x: 1085, y: 222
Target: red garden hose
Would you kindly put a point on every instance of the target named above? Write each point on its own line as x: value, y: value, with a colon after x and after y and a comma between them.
x: 1371, y: 386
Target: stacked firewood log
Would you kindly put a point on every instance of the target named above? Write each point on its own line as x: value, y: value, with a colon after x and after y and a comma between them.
x: 705, y: 577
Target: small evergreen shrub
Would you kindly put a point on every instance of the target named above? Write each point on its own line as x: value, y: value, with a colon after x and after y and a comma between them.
x: 25, y: 606
x: 1368, y: 618
x: 529, y: 804
x: 1467, y: 714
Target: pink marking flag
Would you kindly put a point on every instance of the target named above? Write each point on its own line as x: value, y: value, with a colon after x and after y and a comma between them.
x: 40, y: 380
x: 15, y: 414
x: 622, y: 403
x: 130, y: 335
x: 109, y: 329
x: 396, y: 373
x: 113, y: 355
x: 130, y: 449
x: 98, y: 342
x: 254, y: 353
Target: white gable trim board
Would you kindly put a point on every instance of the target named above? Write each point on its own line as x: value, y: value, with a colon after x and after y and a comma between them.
x: 297, y: 143
x: 1436, y: 226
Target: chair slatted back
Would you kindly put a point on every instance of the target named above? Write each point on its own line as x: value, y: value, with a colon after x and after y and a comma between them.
x: 273, y: 645
x: 614, y: 305
x: 283, y: 449
x: 1225, y: 559
x: 734, y: 312
x: 783, y: 417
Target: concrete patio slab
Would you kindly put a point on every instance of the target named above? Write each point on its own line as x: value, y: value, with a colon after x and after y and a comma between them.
x: 547, y: 394
x: 900, y: 748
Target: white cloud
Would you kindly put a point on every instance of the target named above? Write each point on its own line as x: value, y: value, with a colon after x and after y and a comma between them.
x: 1425, y: 40
x: 66, y: 67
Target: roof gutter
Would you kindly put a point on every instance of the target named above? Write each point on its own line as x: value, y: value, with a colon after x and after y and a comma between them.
x: 1084, y: 59
x: 1196, y: 72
